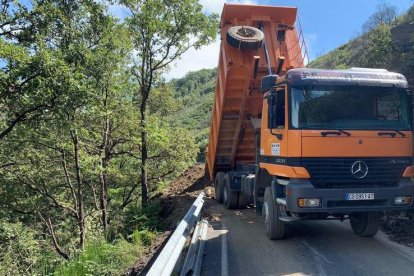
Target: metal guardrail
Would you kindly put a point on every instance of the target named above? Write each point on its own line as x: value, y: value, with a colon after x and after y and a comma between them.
x: 169, y: 257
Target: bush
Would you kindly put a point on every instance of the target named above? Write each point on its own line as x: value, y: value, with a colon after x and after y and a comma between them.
x: 19, y: 251
x: 138, y: 218
x: 102, y: 258
x: 143, y: 237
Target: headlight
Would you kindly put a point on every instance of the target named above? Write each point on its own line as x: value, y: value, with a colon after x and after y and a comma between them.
x: 309, y: 202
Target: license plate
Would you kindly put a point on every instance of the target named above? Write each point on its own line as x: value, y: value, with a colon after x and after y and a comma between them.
x: 359, y: 196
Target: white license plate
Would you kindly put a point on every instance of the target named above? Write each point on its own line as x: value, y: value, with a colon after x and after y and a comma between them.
x: 360, y: 196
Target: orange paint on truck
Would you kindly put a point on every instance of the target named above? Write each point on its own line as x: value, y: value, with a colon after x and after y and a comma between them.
x: 303, y: 143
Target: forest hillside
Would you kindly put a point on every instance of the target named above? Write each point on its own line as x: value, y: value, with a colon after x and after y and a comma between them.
x: 386, y: 42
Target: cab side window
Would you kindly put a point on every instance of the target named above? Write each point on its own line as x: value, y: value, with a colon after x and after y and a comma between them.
x: 281, y: 109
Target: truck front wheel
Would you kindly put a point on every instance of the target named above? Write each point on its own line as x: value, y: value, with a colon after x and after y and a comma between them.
x: 218, y: 186
x: 275, y: 228
x: 365, y: 224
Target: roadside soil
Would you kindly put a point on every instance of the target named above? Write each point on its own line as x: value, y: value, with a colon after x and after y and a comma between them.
x: 399, y: 230
x: 175, y: 200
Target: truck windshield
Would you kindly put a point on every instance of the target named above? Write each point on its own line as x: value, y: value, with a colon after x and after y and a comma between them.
x: 349, y: 107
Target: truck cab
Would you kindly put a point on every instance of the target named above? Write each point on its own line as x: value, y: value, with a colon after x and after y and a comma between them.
x: 336, y: 143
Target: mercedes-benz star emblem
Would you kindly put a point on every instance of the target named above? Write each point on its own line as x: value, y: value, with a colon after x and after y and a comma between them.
x: 359, y: 169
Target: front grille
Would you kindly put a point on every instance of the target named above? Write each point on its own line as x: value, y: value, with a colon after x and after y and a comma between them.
x: 336, y: 172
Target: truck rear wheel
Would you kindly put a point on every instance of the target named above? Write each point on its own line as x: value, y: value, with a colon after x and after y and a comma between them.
x: 218, y: 186
x: 245, y: 37
x: 365, y: 224
x: 275, y: 228
x: 230, y: 198
x: 243, y: 201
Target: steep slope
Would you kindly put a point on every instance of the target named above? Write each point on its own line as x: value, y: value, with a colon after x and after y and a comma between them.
x: 387, y: 46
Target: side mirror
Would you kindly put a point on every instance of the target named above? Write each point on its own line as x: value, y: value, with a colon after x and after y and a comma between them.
x: 272, y: 101
x: 268, y: 82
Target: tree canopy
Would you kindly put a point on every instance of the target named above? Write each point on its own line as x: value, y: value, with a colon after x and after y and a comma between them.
x: 385, y: 14
x: 82, y: 102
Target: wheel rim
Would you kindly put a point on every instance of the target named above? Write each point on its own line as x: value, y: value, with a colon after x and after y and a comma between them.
x: 245, y: 32
x: 225, y: 195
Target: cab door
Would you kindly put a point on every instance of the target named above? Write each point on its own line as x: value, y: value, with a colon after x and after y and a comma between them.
x: 274, y: 140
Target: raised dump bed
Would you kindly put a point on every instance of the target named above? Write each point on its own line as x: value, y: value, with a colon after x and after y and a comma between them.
x: 273, y: 45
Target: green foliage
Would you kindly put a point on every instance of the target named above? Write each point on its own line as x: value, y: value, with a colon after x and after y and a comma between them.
x: 165, y: 29
x: 103, y: 258
x: 45, y: 56
x: 144, y: 237
x: 162, y: 30
x: 384, y: 15
x: 70, y: 131
x: 137, y: 218
x: 21, y: 251
x: 196, y: 91
x: 374, y: 49
x: 381, y: 48
x: 195, y: 84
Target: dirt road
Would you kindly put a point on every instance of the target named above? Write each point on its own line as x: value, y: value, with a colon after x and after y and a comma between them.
x: 237, y: 245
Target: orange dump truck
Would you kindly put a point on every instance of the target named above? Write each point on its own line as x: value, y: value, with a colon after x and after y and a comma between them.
x: 300, y: 143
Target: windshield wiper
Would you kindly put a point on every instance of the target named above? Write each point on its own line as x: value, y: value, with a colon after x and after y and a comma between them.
x: 335, y: 132
x: 332, y: 132
x: 392, y: 134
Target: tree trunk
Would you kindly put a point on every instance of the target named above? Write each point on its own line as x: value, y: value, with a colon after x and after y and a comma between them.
x: 104, y: 201
x: 52, y: 233
x: 144, y: 155
x: 79, y: 193
x: 58, y: 249
x: 69, y: 182
x: 103, y: 176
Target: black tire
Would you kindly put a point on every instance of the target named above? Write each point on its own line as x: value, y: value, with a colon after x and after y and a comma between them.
x: 218, y: 186
x: 365, y: 224
x: 245, y: 37
x: 230, y: 198
x: 243, y: 201
x: 275, y: 228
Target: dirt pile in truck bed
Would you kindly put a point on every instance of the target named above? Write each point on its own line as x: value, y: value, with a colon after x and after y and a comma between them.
x: 175, y: 201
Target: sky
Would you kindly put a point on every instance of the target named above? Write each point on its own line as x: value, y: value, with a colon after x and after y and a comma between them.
x: 327, y: 24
